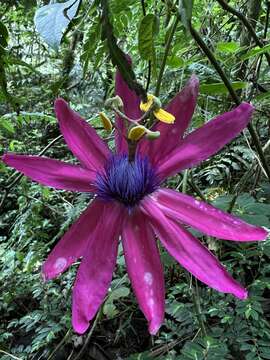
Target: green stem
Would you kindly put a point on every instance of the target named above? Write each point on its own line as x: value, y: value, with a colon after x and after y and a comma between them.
x: 164, y: 60
x: 196, y: 188
x: 185, y: 181
x: 117, y: 56
x: 195, y: 290
x: 196, y: 302
x: 10, y: 355
x: 264, y: 35
x: 148, y: 75
x: 42, y: 152
x: 197, y: 37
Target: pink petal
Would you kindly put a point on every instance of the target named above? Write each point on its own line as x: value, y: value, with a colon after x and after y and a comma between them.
x: 144, y: 268
x: 81, y: 138
x: 190, y: 253
x: 206, y: 218
x: 206, y: 141
x: 96, y: 269
x: 182, y: 107
x: 74, y: 243
x: 131, y: 108
x: 54, y: 173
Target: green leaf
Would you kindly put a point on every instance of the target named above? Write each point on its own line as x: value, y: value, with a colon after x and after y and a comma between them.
x: 263, y: 96
x: 256, y: 51
x: 228, y: 47
x: 148, y: 29
x: 220, y: 88
x: 6, y: 125
x: 12, y: 60
x: 118, y: 293
x: 175, y: 62
x: 118, y: 6
x: 109, y: 309
x: 90, y: 45
x: 259, y: 220
x: 141, y: 356
x: 3, y: 35
x: 185, y: 10
x: 52, y: 20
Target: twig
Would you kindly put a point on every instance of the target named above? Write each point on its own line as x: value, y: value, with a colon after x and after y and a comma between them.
x: 59, y: 345
x: 19, y: 176
x: 165, y: 348
x: 12, y: 356
x: 81, y: 352
x: 42, y: 152
x: 3, y: 198
x: 143, y: 7
x: 166, y: 52
x: 195, y: 188
x: 118, y: 57
x: 264, y: 36
x: 196, y: 301
x: 246, y: 23
x: 195, y: 290
x: 241, y: 184
x: 197, y: 37
x: 148, y: 75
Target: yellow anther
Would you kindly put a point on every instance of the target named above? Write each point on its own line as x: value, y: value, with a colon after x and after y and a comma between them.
x: 136, y: 132
x: 159, y: 113
x: 164, y: 116
x: 106, y: 122
x: 146, y: 106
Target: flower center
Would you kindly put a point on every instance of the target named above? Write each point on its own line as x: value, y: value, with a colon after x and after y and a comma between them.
x: 125, y: 181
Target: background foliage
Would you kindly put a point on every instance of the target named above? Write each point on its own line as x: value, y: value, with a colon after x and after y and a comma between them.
x: 34, y: 70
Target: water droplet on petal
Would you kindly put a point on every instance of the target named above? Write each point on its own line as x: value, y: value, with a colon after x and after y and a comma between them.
x: 236, y: 222
x: 148, y: 278
x: 60, y: 264
x: 151, y: 302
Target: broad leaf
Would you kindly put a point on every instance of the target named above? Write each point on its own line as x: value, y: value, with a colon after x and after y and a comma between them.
x: 256, y: 51
x: 90, y: 45
x: 228, y: 47
x: 147, y: 32
x: 220, y: 88
x: 6, y: 125
x: 52, y: 20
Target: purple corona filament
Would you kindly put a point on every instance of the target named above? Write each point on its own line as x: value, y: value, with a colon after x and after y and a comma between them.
x: 126, y: 182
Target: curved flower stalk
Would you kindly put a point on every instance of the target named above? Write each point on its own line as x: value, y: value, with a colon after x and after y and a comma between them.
x: 130, y: 203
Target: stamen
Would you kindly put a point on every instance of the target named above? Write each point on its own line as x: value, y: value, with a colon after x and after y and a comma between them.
x: 153, y: 103
x: 136, y: 132
x: 106, y: 122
